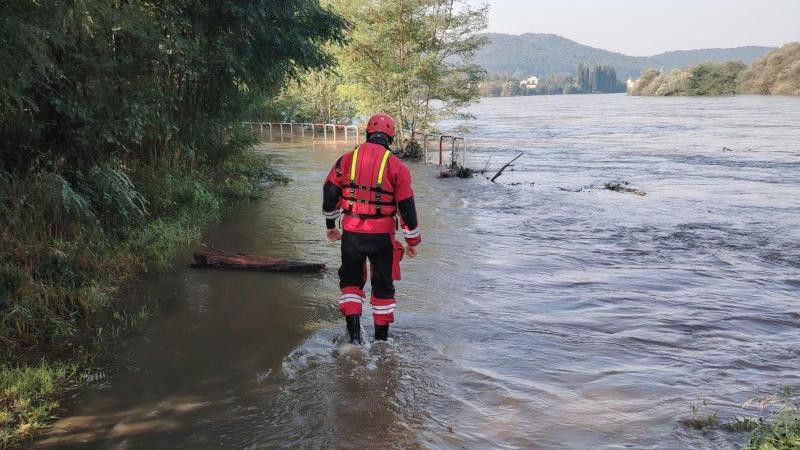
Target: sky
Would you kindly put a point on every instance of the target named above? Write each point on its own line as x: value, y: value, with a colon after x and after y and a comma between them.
x: 646, y: 27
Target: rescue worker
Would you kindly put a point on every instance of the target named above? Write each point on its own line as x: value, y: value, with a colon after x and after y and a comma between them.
x: 370, y: 187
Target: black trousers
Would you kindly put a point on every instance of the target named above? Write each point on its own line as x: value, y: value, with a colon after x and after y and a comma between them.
x: 356, y: 249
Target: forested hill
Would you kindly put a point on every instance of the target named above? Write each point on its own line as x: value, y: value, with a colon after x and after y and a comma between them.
x: 688, y: 58
x: 544, y: 54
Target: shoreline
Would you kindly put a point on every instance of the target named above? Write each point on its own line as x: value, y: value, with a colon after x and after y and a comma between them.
x: 41, y: 371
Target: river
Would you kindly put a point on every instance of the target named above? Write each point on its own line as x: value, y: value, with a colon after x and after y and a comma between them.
x: 542, y: 312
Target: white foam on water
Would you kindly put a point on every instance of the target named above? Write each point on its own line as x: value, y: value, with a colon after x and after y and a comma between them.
x: 327, y: 346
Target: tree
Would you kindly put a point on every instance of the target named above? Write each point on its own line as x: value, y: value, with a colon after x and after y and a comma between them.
x: 412, y: 58
x: 777, y: 73
x: 88, y: 80
x: 584, y: 79
x: 715, y: 79
x: 316, y: 97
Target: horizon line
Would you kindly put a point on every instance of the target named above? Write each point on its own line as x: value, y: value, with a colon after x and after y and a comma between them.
x: 641, y: 56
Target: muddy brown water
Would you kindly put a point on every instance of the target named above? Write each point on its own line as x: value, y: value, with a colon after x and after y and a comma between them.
x: 542, y: 312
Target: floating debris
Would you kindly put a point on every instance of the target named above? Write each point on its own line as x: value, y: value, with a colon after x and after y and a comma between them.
x: 508, y: 164
x: 615, y: 185
x: 710, y: 421
x: 94, y: 377
x: 622, y: 186
x: 762, y: 403
x: 585, y: 188
x: 728, y: 149
x: 260, y: 377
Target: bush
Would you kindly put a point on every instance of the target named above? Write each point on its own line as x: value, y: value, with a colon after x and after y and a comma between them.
x: 412, y: 151
x: 703, y: 79
x: 777, y: 73
x: 715, y: 79
x: 644, y: 82
x: 157, y: 243
x: 465, y: 172
x: 108, y: 191
x: 242, y: 175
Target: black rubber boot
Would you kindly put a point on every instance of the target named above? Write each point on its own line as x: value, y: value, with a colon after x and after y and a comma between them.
x: 354, y: 328
x: 381, y: 332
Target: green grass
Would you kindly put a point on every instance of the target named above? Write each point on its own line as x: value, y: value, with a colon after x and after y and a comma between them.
x: 781, y: 432
x: 28, y: 397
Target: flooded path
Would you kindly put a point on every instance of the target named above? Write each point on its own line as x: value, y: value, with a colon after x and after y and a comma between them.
x: 542, y: 312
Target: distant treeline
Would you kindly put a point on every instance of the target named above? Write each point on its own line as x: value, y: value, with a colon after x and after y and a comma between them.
x: 521, y: 56
x: 599, y: 79
x: 777, y: 73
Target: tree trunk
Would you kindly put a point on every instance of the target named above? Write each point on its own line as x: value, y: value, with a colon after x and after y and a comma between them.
x: 239, y: 261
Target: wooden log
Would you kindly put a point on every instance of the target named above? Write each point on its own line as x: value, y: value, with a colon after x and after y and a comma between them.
x: 241, y: 261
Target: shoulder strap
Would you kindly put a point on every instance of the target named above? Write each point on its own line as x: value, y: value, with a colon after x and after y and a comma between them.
x: 377, y: 189
x: 353, y: 163
x: 386, y: 157
x: 378, y: 202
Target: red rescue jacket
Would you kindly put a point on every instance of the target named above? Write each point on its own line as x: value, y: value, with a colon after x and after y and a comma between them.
x: 371, y: 193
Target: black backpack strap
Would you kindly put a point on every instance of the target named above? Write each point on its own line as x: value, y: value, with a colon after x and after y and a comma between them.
x: 338, y: 166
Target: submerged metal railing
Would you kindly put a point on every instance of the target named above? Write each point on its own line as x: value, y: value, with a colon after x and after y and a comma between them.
x: 451, y: 150
x: 293, y: 129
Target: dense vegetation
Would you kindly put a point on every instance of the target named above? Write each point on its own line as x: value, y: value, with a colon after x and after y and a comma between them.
x: 779, y: 432
x: 121, y: 136
x: 543, y: 55
x: 777, y: 73
x: 587, y: 80
x: 702, y: 80
x: 412, y: 60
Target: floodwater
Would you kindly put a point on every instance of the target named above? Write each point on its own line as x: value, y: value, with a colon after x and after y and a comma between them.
x: 542, y: 312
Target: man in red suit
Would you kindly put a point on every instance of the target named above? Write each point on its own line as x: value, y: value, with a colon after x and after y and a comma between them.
x: 370, y: 187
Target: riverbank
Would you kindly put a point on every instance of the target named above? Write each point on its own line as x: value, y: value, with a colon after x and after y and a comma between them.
x: 122, y: 138
x: 64, y: 255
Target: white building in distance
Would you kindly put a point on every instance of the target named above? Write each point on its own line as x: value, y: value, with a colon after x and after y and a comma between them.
x: 530, y: 83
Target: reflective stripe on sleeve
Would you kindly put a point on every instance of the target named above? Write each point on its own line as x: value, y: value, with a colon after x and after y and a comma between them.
x: 333, y: 215
x: 411, y: 234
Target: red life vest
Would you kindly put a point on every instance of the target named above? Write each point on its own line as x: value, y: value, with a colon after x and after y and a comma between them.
x: 364, y: 196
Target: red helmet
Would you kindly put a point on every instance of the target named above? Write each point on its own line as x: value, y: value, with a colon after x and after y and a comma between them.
x: 381, y: 123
